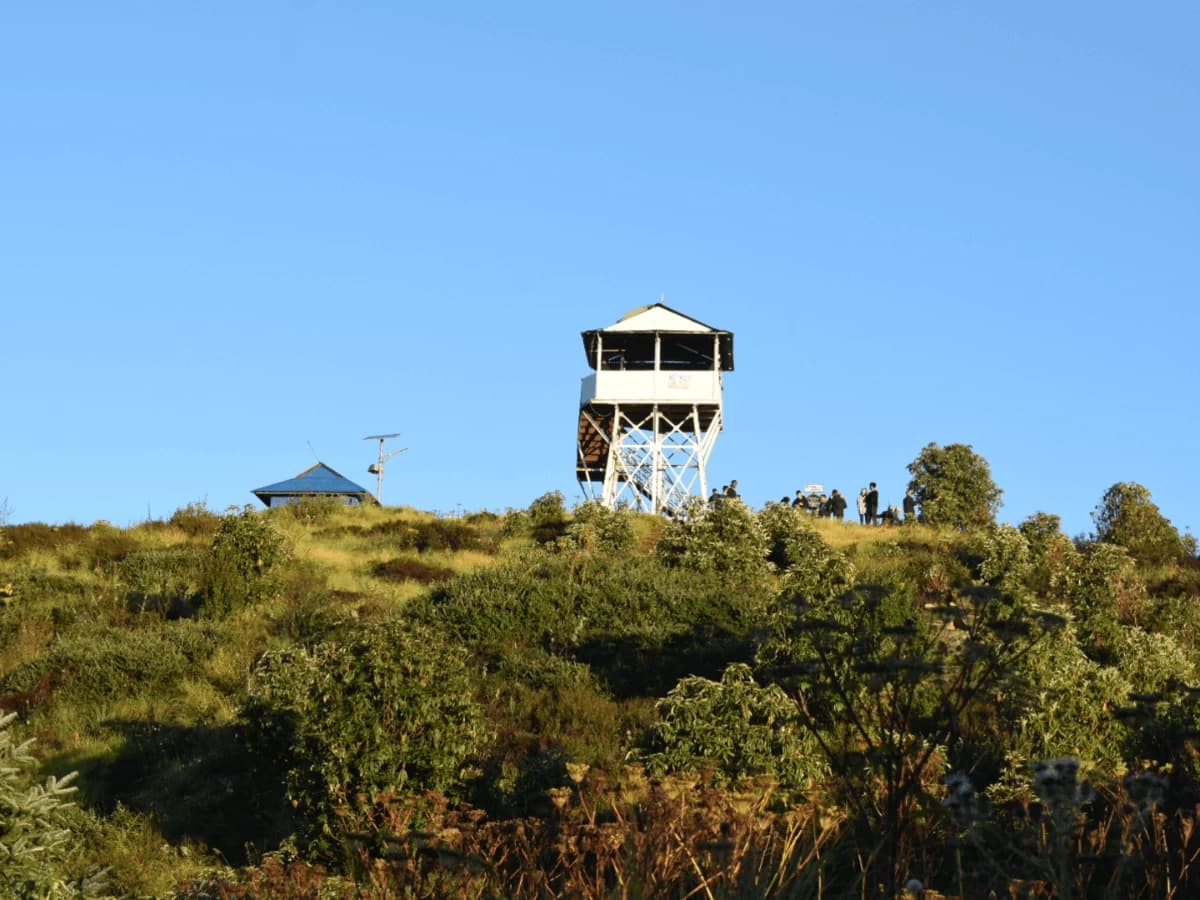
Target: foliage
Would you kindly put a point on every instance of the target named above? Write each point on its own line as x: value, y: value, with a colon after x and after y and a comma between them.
x: 812, y: 569
x: 246, y: 551
x: 886, y: 694
x: 163, y: 580
x: 903, y: 652
x: 1102, y: 591
x: 95, y: 668
x: 391, y: 710
x: 741, y: 728
x: 403, y: 569
x: 780, y: 523
x: 596, y: 528
x: 1007, y: 562
x: 1050, y: 551
x: 726, y: 538
x: 36, y: 840
x: 1062, y: 702
x: 196, y: 520
x: 1127, y: 517
x: 953, y: 486
x: 638, y: 622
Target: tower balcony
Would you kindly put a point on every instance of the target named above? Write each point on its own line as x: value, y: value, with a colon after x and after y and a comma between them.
x: 649, y: 386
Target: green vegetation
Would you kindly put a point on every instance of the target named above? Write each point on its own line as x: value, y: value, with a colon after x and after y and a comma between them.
x: 320, y: 701
x: 953, y: 486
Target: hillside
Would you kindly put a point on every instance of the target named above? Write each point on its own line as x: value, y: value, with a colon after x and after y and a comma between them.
x: 321, y: 701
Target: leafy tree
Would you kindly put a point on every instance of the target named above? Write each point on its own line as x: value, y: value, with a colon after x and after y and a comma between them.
x: 953, y: 486
x: 1128, y: 518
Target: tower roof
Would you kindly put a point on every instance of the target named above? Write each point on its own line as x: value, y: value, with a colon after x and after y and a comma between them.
x: 658, y: 318
x: 315, y: 480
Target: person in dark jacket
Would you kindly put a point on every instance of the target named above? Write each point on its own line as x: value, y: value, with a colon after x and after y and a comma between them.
x: 872, y: 504
x: 910, y: 506
x: 837, y: 505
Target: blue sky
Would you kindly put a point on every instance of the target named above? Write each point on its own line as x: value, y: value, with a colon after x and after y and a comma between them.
x: 232, y: 230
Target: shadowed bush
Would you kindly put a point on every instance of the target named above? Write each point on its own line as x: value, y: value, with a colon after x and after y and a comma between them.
x: 411, y: 570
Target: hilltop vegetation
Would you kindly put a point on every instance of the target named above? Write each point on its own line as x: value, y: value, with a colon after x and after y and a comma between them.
x: 320, y: 701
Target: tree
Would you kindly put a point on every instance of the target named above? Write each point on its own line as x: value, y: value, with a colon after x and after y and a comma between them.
x: 36, y: 839
x: 1128, y: 518
x: 953, y: 486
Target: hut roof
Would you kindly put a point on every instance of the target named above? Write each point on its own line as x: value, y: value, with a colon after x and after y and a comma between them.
x: 316, y: 480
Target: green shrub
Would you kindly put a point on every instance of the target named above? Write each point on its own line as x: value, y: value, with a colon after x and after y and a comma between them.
x: 1059, y: 703
x: 726, y: 539
x: 313, y: 510
x: 35, y: 536
x: 736, y: 726
x: 37, y: 845
x: 781, y: 523
x: 447, y: 535
x: 812, y: 569
x: 246, y: 551
x: 163, y: 580
x: 1102, y: 590
x: 391, y: 710
x: 598, y: 528
x: 196, y: 520
x: 636, y: 621
x: 97, y: 667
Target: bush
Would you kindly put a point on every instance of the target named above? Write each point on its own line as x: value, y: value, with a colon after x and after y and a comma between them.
x: 246, y: 550
x: 35, y: 536
x: 392, y: 710
x: 635, y: 620
x: 163, y: 580
x: 98, y: 667
x: 598, y: 528
x: 196, y: 520
x: 411, y: 570
x: 735, y: 725
x: 812, y: 569
x: 36, y: 840
x: 726, y: 539
x: 441, y: 534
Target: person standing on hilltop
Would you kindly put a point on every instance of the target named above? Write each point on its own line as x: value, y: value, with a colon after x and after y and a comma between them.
x: 862, y: 507
x: 910, y: 507
x: 837, y: 505
x: 872, y: 504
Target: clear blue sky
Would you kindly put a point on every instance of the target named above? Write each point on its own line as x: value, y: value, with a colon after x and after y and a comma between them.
x: 228, y: 230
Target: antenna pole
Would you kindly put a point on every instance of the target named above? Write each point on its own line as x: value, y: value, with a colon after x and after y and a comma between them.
x: 376, y: 468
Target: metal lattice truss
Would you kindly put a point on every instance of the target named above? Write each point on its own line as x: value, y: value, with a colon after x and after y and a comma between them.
x: 655, y: 461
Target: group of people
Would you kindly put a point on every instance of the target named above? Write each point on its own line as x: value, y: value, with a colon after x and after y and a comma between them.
x: 823, y: 506
x: 834, y: 505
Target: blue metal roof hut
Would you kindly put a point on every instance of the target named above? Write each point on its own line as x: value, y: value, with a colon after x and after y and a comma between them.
x: 315, y: 481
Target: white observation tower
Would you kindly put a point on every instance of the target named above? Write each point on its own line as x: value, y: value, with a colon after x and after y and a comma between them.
x: 650, y: 413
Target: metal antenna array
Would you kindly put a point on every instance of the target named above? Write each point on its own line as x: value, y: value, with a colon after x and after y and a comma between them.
x: 376, y: 468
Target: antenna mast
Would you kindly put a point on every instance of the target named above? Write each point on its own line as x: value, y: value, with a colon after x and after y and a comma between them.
x: 376, y: 468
